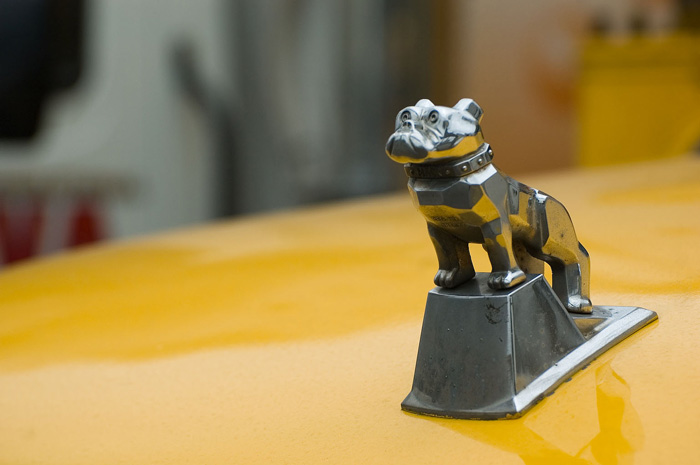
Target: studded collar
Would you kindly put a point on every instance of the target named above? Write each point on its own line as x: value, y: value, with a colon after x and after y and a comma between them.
x: 454, y: 169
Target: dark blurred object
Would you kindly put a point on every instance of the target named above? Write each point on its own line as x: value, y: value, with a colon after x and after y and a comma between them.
x: 689, y: 15
x: 316, y: 84
x: 207, y: 100
x: 41, y: 48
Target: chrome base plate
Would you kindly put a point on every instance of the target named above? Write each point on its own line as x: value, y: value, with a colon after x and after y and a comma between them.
x: 488, y: 354
x: 603, y: 329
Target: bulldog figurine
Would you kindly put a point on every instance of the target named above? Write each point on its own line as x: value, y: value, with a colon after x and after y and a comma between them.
x: 466, y: 199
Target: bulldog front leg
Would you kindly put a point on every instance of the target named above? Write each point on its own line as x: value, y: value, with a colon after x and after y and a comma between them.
x: 454, y: 259
x: 498, y: 242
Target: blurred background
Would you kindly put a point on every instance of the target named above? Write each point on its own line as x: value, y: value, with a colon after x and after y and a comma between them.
x: 124, y: 117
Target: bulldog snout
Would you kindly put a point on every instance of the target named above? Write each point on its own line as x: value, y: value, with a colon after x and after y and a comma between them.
x: 409, y: 125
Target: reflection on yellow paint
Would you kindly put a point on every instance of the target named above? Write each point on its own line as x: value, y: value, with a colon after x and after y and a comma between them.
x: 611, y: 437
x: 621, y: 432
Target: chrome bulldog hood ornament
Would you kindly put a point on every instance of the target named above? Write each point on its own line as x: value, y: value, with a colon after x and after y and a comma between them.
x: 494, y: 344
x: 427, y: 132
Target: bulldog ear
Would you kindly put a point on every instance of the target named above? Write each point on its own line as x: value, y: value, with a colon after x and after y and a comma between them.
x: 469, y: 105
x: 425, y: 103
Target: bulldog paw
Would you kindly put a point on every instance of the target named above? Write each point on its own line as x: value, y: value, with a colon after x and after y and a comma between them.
x: 578, y: 304
x: 453, y: 277
x: 506, y: 279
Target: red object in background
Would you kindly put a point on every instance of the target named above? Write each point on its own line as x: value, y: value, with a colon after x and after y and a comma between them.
x: 85, y: 224
x: 21, y: 223
x: 24, y: 225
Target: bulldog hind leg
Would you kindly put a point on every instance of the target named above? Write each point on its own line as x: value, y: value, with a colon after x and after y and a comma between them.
x: 526, y: 261
x: 561, y: 249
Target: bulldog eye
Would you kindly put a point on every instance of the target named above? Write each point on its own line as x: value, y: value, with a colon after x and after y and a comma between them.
x: 433, y: 117
x: 405, y: 116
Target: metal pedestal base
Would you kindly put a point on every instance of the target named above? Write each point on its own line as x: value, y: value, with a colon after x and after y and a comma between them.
x: 488, y: 354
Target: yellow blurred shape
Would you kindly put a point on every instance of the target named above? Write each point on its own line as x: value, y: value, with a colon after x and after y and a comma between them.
x: 639, y: 99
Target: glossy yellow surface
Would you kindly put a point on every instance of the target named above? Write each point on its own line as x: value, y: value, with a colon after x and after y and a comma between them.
x: 292, y: 338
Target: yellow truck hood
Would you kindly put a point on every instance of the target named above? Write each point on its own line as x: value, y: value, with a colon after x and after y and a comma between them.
x: 291, y: 338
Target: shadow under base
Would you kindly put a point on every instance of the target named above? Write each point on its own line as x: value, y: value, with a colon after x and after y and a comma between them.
x: 487, y: 354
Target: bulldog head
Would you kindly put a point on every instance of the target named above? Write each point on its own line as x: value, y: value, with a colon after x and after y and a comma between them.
x: 425, y: 132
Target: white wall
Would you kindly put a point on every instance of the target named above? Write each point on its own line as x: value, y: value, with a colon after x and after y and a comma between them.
x: 126, y: 117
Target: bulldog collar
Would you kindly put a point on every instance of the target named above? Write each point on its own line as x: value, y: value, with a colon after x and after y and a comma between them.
x: 455, y: 169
